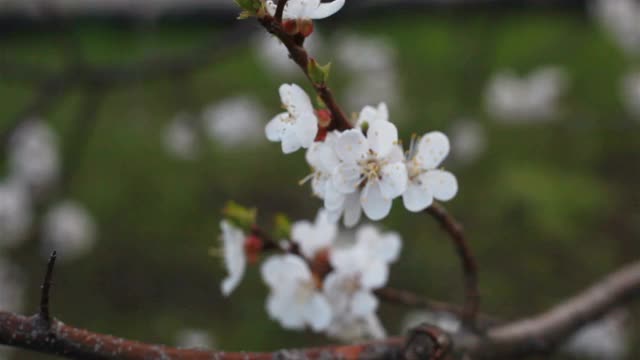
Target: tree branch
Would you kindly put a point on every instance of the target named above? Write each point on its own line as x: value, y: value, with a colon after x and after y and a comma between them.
x: 531, y: 336
x: 469, y: 265
x: 543, y: 333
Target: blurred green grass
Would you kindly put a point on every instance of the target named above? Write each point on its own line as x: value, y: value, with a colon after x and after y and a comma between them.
x: 548, y: 207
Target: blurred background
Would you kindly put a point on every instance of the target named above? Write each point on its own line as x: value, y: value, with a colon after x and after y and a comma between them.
x: 125, y: 126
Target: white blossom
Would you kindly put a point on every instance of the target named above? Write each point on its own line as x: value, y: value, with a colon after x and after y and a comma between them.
x: 15, y: 214
x: 234, y: 121
x: 468, y: 140
x: 68, y: 228
x: 298, y: 126
x: 306, y: 9
x: 294, y: 300
x: 605, y: 339
x: 314, y: 237
x: 370, y: 114
x: 33, y: 155
x: 426, y: 181
x: 358, y: 269
x: 323, y: 159
x: 180, y: 138
x: 520, y: 99
x: 371, y: 165
x: 369, y: 256
x: 195, y: 339
x: 631, y: 93
x: 622, y: 19
x: 235, y: 260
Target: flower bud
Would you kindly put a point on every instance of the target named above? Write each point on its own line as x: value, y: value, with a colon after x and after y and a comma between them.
x: 305, y: 27
x: 290, y: 27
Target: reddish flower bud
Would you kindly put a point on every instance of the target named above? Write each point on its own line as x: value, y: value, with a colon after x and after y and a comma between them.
x: 324, y: 117
x: 305, y: 27
x: 253, y: 247
x: 290, y: 27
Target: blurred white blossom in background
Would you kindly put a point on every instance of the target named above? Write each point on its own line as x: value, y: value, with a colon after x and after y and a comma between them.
x: 515, y: 99
x: 605, y: 339
x: 180, y: 137
x: 631, y: 93
x: 372, y: 64
x: 273, y: 55
x: 33, y: 156
x: 443, y: 320
x: 12, y: 289
x: 622, y: 19
x: 15, y: 214
x: 195, y: 339
x: 468, y: 140
x: 69, y: 229
x: 235, y: 121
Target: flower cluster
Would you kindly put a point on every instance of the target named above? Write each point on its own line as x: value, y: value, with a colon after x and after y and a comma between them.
x: 365, y: 168
x: 317, y: 281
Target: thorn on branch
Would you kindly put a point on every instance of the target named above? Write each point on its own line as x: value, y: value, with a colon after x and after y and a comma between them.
x: 427, y: 342
x: 45, y: 289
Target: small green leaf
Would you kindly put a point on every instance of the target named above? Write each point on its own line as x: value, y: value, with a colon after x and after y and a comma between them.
x: 318, y: 73
x: 282, y: 226
x: 239, y: 215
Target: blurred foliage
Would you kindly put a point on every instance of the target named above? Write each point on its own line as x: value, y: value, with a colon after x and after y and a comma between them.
x: 548, y: 207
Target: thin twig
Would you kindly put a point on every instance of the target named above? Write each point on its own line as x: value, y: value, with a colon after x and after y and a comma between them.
x: 280, y: 10
x: 45, y: 289
x: 300, y: 56
x: 468, y: 262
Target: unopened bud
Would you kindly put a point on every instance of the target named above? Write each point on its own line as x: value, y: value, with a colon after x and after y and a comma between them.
x: 290, y: 27
x: 324, y: 117
x: 305, y: 27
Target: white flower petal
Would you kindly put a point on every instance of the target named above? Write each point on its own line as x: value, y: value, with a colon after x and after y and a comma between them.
x: 295, y: 99
x: 306, y: 128
x: 325, y: 10
x: 375, y: 276
x: 432, y: 149
x: 375, y: 205
x: 417, y: 198
x: 279, y: 307
x: 352, y: 210
x: 276, y: 128
x: 382, y: 137
x: 363, y: 303
x: 351, y: 146
x: 280, y: 270
x: 314, y: 237
x: 394, y: 180
x: 318, y: 312
x: 388, y: 247
x: 347, y: 177
x: 290, y: 141
x: 333, y: 199
x: 234, y: 256
x: 442, y: 184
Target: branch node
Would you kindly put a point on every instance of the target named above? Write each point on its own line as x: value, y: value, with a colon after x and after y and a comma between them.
x: 427, y: 342
x: 45, y: 289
